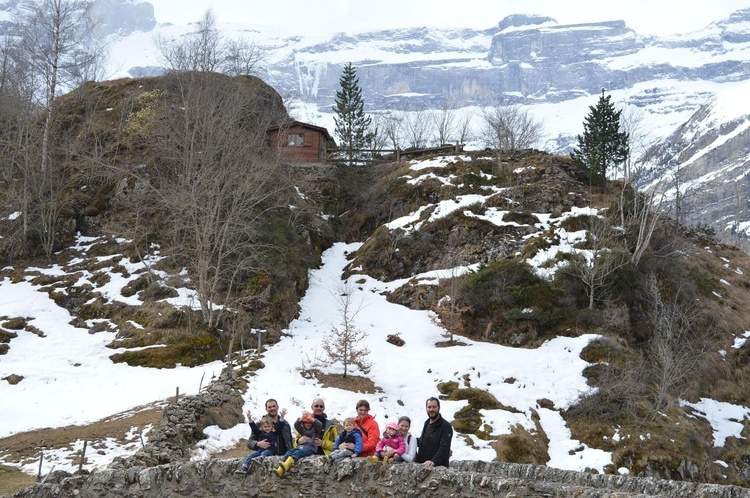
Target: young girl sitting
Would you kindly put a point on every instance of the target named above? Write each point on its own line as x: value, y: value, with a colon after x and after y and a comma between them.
x: 350, y: 434
x: 392, y: 440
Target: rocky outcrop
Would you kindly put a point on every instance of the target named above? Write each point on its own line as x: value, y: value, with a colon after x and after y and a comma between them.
x: 183, y: 422
x: 313, y: 477
x: 563, y: 45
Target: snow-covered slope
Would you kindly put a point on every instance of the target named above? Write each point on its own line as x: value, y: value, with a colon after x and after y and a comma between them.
x: 708, y: 159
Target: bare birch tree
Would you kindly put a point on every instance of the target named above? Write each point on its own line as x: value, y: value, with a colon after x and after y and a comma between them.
x: 679, y: 338
x: 54, y: 41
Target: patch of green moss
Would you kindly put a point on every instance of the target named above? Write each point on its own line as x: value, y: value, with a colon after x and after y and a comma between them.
x: 16, y: 323
x: 479, y: 399
x: 447, y: 388
x: 467, y: 420
x: 521, y: 446
x: 183, y: 349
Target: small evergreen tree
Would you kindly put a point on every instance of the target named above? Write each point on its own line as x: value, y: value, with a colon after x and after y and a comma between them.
x: 352, y: 124
x: 603, y: 145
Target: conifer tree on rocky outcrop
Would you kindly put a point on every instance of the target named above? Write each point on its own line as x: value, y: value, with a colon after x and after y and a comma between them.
x: 603, y: 144
x: 352, y: 124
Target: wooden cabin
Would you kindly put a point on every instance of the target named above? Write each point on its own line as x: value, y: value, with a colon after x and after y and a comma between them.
x: 301, y: 142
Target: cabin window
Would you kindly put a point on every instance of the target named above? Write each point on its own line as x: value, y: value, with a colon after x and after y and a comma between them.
x: 295, y: 139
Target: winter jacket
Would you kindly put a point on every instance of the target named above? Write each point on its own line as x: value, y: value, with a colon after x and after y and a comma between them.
x: 370, y: 434
x: 264, y: 436
x: 283, y: 437
x: 396, y: 442
x: 330, y: 432
x: 316, y: 431
x: 435, y: 442
x: 353, y: 436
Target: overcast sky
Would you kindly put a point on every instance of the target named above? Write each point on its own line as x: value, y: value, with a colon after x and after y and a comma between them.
x: 312, y: 17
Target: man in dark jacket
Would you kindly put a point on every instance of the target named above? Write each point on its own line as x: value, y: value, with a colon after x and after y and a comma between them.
x: 435, y: 441
x: 281, y: 427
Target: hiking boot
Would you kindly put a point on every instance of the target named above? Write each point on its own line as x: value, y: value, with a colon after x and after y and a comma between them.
x: 372, y: 459
x: 241, y: 470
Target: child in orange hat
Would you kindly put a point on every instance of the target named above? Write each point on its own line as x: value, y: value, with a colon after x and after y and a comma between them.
x: 309, y: 429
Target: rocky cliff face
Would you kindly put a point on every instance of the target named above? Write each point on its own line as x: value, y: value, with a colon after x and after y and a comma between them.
x: 707, y: 160
x: 523, y: 59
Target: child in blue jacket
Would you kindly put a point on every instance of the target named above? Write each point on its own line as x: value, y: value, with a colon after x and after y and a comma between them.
x: 350, y: 434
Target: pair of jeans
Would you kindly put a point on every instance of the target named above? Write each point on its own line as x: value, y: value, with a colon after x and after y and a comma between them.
x: 341, y: 454
x: 258, y: 453
x: 297, y: 453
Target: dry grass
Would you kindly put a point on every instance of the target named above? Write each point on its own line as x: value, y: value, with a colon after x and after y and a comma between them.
x: 353, y: 383
x: 238, y: 451
x: 24, y: 447
x: 12, y: 480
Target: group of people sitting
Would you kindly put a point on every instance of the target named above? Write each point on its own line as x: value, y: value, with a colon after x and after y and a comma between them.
x: 360, y: 437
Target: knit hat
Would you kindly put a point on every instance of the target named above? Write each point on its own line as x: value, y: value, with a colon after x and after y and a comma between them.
x: 392, y: 425
x: 307, y: 418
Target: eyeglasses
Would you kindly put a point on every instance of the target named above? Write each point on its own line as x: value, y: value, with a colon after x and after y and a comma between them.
x: 318, y: 406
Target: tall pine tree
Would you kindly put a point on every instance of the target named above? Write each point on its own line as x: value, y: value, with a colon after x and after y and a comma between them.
x: 602, y: 145
x: 352, y: 124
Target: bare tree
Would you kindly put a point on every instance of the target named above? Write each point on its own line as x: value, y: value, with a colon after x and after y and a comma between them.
x: 508, y: 128
x: 54, y: 43
x: 596, y: 262
x: 633, y: 122
x: 206, y: 50
x: 450, y: 309
x: 242, y: 57
x: 392, y: 124
x: 463, y: 127
x: 416, y: 128
x: 217, y: 182
x: 378, y: 138
x: 678, y: 341
x: 345, y: 342
x: 444, y: 123
x: 53, y: 37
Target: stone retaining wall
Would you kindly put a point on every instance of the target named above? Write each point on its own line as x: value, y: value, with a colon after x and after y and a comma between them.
x: 314, y: 477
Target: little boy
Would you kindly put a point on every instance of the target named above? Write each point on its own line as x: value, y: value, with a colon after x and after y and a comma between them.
x: 350, y: 434
x: 265, y: 432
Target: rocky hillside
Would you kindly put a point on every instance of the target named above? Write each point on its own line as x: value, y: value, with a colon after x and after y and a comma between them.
x: 512, y: 253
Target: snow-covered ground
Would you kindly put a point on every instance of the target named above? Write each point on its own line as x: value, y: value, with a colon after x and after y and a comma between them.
x: 69, y: 379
